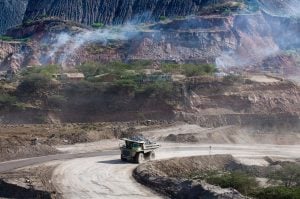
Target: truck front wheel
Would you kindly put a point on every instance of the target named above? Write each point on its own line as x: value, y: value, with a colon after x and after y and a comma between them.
x: 140, y: 158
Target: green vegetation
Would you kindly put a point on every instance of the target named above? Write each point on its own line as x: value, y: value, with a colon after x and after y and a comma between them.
x: 36, y: 80
x: 34, y: 85
x: 90, y: 70
x: 6, y: 38
x: 28, y: 22
x: 240, y: 181
x: 237, y: 180
x: 98, y: 25
x: 43, y: 16
x: 225, y: 8
x: 127, y: 75
x: 288, y: 176
x: 189, y: 69
x: 284, y: 183
x: 37, y: 87
x: 7, y: 100
x: 46, y: 71
x: 277, y: 193
x: 132, y: 75
x: 163, y: 18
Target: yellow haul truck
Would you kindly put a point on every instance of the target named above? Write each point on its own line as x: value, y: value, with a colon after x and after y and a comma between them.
x: 138, y: 150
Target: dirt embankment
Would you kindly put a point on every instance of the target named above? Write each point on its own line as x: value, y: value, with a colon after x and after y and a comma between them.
x: 214, y: 103
x: 206, y: 101
x: 30, y: 140
x: 166, y: 177
x: 29, y: 182
x: 179, y: 177
x: 186, y: 133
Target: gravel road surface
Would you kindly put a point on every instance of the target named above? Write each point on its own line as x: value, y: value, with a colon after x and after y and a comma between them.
x: 106, y: 176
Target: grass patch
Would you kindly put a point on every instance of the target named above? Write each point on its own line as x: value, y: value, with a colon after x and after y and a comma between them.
x: 225, y: 8
x: 284, y: 183
x: 35, y: 85
x: 7, y: 100
x: 163, y: 18
x: 46, y: 71
x: 240, y: 181
x: 189, y: 70
x: 278, y: 193
x: 98, y: 25
x: 6, y: 38
x: 121, y: 69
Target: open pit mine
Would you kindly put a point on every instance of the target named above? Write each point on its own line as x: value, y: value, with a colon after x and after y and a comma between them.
x: 150, y: 99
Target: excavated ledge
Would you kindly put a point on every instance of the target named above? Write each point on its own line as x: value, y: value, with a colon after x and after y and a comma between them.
x: 165, y: 177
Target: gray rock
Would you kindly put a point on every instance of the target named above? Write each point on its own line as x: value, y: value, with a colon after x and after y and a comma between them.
x: 12, y: 12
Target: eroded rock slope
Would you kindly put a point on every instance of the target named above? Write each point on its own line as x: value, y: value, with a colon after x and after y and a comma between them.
x: 12, y: 12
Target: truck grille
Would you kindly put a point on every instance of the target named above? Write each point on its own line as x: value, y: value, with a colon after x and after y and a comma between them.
x: 126, y: 152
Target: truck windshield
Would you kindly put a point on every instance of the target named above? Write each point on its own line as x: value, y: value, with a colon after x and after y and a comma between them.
x: 135, y: 145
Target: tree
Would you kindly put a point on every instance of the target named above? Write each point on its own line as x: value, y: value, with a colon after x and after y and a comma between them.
x: 289, y: 175
x: 34, y: 85
x: 7, y: 101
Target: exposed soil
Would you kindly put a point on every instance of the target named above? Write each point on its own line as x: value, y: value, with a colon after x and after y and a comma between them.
x: 72, y: 177
x: 30, y: 182
x: 22, y: 141
x: 185, y: 133
x: 174, y: 177
x: 163, y: 177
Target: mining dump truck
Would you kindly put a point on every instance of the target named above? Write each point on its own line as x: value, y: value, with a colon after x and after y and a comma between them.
x: 138, y: 150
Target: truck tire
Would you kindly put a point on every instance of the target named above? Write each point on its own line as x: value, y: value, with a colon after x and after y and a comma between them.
x: 123, y: 159
x: 152, y: 155
x: 140, y: 158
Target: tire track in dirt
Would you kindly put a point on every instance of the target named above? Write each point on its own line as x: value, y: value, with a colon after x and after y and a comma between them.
x: 109, y: 177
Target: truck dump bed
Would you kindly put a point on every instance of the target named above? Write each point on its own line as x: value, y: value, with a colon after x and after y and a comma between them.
x: 151, y: 146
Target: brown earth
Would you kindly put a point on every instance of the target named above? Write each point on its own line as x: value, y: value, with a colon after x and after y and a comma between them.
x: 166, y: 177
x: 256, y: 110
x: 29, y: 182
x: 176, y: 177
x: 78, y: 178
x: 207, y: 101
x: 30, y: 140
x: 236, y: 135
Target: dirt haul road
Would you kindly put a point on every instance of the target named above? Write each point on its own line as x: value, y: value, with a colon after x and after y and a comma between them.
x: 108, y: 177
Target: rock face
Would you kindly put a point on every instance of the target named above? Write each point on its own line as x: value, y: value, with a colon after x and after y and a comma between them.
x: 114, y: 11
x: 121, y: 11
x: 287, y: 7
x: 228, y: 41
x: 11, y: 14
x: 10, y: 57
x: 239, y: 40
